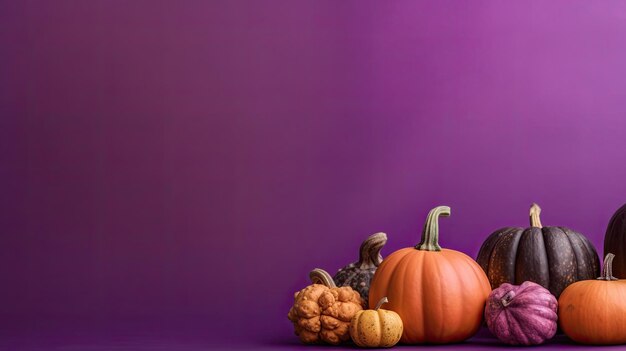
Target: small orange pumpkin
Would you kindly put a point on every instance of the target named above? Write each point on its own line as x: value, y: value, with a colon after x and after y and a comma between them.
x: 376, y: 328
x: 440, y: 294
x: 594, y: 311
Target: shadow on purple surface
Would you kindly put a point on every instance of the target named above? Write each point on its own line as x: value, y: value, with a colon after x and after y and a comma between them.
x: 196, y: 339
x: 483, y: 340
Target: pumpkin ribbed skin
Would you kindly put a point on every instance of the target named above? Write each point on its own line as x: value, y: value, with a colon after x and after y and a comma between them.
x: 376, y: 328
x: 439, y: 295
x: 594, y: 311
x: 615, y: 241
x: 521, y: 315
x: 553, y: 257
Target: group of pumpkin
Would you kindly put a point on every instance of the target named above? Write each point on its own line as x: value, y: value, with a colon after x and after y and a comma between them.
x: 439, y: 296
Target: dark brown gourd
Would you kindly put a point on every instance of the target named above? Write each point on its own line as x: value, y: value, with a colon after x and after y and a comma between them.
x: 615, y: 241
x: 553, y: 257
x: 358, y: 275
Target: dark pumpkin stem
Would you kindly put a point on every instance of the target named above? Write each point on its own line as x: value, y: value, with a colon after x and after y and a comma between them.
x: 320, y: 276
x: 535, y: 221
x: 607, y: 268
x: 430, y: 234
x: 382, y: 301
x: 369, y: 254
x: 507, y: 298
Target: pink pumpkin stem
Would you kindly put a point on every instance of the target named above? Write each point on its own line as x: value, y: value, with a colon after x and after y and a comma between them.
x: 508, y: 298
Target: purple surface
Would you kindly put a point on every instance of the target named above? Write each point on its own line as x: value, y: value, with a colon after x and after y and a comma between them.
x: 187, y: 163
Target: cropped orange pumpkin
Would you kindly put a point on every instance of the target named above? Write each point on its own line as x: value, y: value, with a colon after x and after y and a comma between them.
x: 594, y: 311
x: 440, y: 294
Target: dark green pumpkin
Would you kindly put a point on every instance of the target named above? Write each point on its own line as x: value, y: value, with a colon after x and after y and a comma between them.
x: 553, y: 257
x: 615, y: 242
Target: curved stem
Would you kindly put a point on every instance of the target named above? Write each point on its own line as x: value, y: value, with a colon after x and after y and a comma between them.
x: 382, y: 301
x: 369, y: 253
x: 320, y: 276
x: 535, y: 221
x: 430, y: 234
x: 607, y: 268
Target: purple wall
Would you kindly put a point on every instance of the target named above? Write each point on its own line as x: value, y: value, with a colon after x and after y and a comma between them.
x: 166, y: 161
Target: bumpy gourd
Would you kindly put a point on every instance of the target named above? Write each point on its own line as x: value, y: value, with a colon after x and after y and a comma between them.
x: 377, y: 327
x: 322, y: 312
x: 358, y: 275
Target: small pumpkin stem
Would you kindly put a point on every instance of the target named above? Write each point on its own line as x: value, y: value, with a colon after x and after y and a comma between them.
x: 535, y: 211
x: 607, y: 268
x: 508, y: 298
x: 430, y: 234
x: 369, y: 253
x: 320, y: 276
x: 382, y: 301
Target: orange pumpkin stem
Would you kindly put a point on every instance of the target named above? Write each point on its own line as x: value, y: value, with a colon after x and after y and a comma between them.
x: 430, y: 234
x: 607, y: 268
x: 535, y: 221
x: 320, y: 276
x: 382, y: 301
x: 369, y: 254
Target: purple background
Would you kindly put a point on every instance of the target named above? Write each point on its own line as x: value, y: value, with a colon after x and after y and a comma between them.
x: 182, y: 166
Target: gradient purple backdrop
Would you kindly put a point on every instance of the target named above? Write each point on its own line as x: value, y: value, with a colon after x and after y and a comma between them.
x: 187, y: 163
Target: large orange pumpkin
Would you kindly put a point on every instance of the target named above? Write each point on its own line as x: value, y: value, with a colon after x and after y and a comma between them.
x: 440, y: 294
